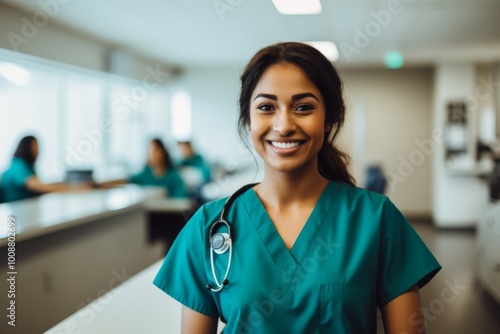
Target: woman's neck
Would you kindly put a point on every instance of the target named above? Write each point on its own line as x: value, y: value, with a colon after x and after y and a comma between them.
x: 282, y: 189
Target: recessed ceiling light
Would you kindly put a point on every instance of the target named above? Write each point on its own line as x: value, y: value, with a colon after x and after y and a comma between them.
x: 297, y: 7
x: 328, y: 49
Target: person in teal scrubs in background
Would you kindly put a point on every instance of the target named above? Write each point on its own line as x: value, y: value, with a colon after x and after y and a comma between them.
x: 20, y: 181
x: 192, y: 159
x: 311, y: 253
x: 160, y: 171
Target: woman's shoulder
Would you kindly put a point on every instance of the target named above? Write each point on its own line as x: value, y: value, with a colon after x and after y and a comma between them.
x: 365, y: 203
x: 353, y: 191
x: 355, y: 196
x: 16, y: 161
x: 18, y: 164
x: 215, y: 206
x: 209, y: 212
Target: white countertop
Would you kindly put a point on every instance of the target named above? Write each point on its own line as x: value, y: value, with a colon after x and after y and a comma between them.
x: 57, y: 211
x: 136, y: 306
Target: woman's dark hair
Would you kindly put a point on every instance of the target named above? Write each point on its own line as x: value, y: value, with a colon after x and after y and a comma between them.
x: 24, y: 150
x: 166, y: 155
x: 332, y: 162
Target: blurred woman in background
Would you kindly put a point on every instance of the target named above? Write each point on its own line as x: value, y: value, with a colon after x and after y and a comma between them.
x: 20, y: 181
x: 192, y: 159
x: 160, y: 171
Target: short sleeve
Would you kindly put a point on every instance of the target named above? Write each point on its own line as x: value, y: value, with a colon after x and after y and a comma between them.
x: 182, y: 275
x: 404, y: 260
x: 21, y: 174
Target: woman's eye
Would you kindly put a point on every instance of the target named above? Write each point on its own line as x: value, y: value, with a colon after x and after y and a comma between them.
x: 304, y: 107
x: 265, y: 107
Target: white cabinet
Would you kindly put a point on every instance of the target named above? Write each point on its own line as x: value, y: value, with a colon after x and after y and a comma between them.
x: 488, y: 248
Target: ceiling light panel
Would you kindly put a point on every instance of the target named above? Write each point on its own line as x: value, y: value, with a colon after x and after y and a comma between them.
x: 298, y: 7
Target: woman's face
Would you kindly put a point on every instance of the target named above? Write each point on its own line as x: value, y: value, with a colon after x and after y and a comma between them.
x: 186, y: 150
x: 155, y: 156
x: 287, y: 119
x: 34, y: 149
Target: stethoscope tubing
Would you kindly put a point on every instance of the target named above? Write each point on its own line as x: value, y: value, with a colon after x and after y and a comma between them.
x: 222, y: 220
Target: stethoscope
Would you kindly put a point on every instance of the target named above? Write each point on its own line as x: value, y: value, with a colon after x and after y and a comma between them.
x: 220, y: 243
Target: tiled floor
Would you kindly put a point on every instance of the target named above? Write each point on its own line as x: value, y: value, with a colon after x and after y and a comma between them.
x: 466, y: 308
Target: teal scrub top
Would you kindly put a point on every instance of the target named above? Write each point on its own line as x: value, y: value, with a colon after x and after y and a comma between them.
x: 14, y: 181
x: 355, y: 252
x: 197, y: 161
x: 171, y: 180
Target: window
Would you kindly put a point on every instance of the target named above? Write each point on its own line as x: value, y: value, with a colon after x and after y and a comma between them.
x: 181, y: 116
x: 30, y: 107
x: 82, y: 119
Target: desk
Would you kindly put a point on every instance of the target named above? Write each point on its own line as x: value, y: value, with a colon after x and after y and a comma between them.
x: 166, y: 218
x: 73, y: 247
x: 137, y: 306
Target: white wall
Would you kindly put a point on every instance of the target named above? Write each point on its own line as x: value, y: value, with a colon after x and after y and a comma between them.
x: 396, y: 107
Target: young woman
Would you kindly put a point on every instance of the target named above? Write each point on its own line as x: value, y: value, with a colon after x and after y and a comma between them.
x: 160, y: 171
x: 309, y: 252
x: 20, y: 181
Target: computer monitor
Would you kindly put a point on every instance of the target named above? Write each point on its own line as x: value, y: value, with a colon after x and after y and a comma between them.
x: 79, y: 176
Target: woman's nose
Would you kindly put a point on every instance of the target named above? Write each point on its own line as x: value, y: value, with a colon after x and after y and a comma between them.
x: 284, y: 123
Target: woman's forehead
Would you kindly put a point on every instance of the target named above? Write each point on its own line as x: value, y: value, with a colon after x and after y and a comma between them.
x: 284, y: 77
x: 284, y: 80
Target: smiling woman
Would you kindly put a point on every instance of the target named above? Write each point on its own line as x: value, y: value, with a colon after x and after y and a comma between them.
x: 312, y: 253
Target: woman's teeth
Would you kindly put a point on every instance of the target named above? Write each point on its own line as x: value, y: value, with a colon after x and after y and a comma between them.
x: 285, y: 144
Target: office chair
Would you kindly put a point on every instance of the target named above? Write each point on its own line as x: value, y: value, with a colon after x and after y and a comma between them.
x: 375, y: 179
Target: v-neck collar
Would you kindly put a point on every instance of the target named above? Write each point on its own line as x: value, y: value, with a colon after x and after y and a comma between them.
x: 287, y: 261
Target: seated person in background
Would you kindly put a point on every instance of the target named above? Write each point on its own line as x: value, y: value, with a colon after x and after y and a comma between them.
x: 160, y: 171
x: 19, y: 181
x: 192, y: 159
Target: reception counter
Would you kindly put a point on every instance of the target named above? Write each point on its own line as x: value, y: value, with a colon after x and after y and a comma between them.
x: 59, y: 211
x: 72, y: 248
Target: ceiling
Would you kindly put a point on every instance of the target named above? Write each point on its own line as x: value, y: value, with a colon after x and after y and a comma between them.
x: 192, y: 33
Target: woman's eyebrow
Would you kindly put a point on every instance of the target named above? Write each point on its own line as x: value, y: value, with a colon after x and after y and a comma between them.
x: 294, y: 97
x: 302, y: 95
x: 269, y: 96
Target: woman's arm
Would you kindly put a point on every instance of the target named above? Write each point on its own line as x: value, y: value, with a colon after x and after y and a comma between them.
x: 34, y: 184
x: 404, y: 314
x: 197, y: 323
x: 111, y: 183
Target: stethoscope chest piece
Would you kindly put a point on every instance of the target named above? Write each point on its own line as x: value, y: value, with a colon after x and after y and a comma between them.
x: 220, y: 242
